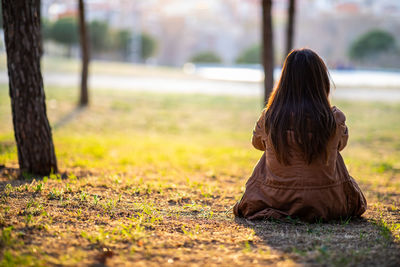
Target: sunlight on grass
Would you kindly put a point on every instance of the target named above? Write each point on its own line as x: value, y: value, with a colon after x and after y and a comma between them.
x: 152, y: 178
x: 73, y: 65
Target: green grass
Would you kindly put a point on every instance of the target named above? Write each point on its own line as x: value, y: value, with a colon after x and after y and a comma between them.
x: 73, y: 65
x: 150, y: 179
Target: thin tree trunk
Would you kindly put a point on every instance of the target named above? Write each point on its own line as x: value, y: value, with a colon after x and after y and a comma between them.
x: 290, y: 26
x: 268, y: 48
x: 31, y: 126
x: 84, y: 98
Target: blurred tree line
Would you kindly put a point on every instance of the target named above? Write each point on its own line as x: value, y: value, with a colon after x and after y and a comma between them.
x: 206, y: 57
x: 102, y: 38
x: 375, y: 47
x: 251, y: 55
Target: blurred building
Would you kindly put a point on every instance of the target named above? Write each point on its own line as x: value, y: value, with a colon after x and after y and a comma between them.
x: 184, y: 28
x: 189, y: 27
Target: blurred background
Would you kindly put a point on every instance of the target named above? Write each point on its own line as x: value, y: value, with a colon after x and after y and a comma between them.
x: 173, y: 32
x: 221, y: 41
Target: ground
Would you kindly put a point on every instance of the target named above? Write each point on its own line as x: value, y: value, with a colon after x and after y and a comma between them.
x: 150, y: 179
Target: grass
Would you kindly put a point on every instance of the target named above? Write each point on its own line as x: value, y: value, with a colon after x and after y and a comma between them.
x: 150, y: 179
x: 73, y: 65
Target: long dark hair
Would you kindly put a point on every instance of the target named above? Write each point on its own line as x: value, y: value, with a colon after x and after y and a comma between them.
x: 300, y: 103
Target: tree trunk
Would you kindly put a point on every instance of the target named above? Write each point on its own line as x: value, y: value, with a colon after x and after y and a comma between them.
x: 84, y: 99
x: 268, y: 48
x: 290, y: 26
x: 31, y: 126
x: 37, y: 3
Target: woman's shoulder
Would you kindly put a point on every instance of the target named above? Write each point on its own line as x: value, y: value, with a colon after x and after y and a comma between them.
x: 340, y: 118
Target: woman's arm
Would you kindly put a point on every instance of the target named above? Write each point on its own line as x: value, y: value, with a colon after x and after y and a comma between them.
x: 345, y: 136
x: 259, y: 135
x: 343, y: 131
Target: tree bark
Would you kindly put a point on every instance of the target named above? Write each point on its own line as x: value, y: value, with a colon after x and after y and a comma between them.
x: 268, y: 48
x: 38, y: 4
x: 290, y: 26
x: 31, y: 126
x: 84, y: 98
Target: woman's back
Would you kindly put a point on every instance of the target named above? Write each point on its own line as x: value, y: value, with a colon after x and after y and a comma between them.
x: 299, y: 167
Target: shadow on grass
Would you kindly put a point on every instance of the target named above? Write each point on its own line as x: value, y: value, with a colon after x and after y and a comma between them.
x: 356, y: 242
x: 9, y: 174
x: 14, y: 177
x: 68, y: 117
x: 7, y: 147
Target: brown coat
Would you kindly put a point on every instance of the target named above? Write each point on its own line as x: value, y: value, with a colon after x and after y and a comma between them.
x: 323, y: 190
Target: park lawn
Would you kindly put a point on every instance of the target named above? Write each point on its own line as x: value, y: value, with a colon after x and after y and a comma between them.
x: 150, y: 179
x: 54, y: 64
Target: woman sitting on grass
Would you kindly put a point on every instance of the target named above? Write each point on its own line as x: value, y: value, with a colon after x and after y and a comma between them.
x: 301, y: 173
